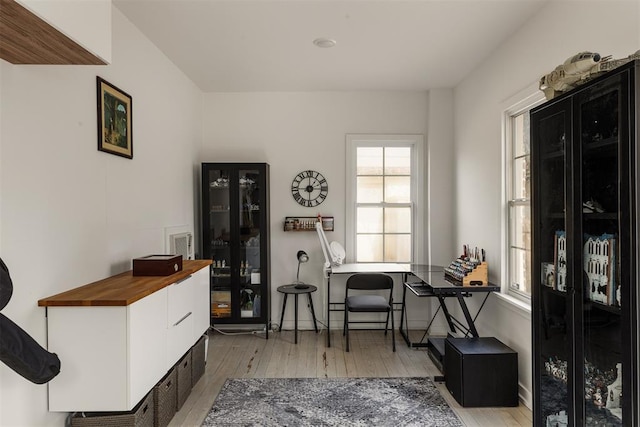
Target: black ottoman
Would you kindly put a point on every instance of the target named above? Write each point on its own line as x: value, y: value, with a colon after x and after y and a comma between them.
x: 481, y: 372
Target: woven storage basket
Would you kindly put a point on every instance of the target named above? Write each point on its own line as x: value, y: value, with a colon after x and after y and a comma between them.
x: 141, y: 416
x: 164, y: 399
x: 183, y: 369
x: 198, y: 360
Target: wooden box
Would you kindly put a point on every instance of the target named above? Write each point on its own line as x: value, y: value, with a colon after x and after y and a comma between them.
x: 221, y: 304
x: 157, y: 265
x: 478, y: 277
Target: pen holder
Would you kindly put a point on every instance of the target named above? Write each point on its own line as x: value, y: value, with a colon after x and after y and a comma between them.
x: 478, y: 274
x: 470, y: 273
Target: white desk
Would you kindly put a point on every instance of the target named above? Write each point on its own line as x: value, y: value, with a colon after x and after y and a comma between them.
x: 387, y: 267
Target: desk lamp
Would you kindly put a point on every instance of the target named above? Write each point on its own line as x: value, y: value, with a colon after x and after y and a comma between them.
x: 302, y: 257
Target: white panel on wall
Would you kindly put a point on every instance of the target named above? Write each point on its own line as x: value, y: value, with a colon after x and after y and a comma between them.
x: 88, y: 23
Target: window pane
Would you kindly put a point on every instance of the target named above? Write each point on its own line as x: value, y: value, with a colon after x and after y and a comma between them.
x: 521, y: 178
x: 369, y: 220
x: 397, y: 220
x: 369, y: 189
x: 397, y: 248
x: 520, y: 261
x: 369, y: 248
x: 397, y: 161
x: 369, y: 161
x: 521, y: 135
x: 397, y: 189
x: 520, y: 227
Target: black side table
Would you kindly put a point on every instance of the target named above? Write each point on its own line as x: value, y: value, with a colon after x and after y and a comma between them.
x: 295, y: 290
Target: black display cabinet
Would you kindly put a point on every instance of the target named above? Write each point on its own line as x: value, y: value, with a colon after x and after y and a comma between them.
x: 584, y: 160
x: 235, y: 236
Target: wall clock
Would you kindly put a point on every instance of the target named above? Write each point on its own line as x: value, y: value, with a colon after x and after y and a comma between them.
x: 309, y: 188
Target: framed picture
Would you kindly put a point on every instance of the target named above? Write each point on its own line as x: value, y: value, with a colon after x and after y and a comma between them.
x: 114, y: 120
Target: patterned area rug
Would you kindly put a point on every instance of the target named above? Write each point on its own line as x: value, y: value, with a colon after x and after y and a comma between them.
x: 331, y: 402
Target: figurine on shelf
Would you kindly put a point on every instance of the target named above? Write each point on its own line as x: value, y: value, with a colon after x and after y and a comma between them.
x: 558, y: 420
x: 246, y: 303
x: 614, y: 394
x: 579, y: 69
x: 597, y: 399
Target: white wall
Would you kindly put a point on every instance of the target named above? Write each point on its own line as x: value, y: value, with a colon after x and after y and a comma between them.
x: 298, y: 131
x: 560, y: 30
x: 70, y: 214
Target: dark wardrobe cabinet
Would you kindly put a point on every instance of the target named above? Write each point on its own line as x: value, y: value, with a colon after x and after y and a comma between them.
x: 584, y: 171
x: 235, y: 237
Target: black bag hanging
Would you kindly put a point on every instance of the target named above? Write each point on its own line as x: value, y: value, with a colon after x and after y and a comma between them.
x: 20, y: 352
x: 6, y: 286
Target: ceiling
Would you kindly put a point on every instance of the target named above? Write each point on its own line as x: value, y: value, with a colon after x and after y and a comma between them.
x: 265, y: 45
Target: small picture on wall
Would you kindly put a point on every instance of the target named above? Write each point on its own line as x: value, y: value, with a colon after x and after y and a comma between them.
x: 114, y: 120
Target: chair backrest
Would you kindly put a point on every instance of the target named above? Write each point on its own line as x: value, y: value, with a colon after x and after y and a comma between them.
x: 369, y: 281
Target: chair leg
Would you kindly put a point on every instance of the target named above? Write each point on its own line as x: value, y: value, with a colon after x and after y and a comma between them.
x: 386, y: 325
x: 393, y: 330
x: 346, y: 326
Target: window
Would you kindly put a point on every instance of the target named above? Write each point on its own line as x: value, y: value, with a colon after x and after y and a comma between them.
x: 382, y: 198
x: 518, y: 173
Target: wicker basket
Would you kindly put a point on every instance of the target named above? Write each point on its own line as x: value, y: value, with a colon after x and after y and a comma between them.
x: 198, y: 360
x: 183, y: 369
x: 164, y: 399
x: 141, y: 416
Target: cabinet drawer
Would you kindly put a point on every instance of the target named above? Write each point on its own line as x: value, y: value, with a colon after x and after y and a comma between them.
x: 180, y: 319
x: 180, y: 304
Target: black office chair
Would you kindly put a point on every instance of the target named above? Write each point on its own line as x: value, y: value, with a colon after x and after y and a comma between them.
x: 367, y: 303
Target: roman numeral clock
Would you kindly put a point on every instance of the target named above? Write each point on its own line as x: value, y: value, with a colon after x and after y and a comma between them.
x: 309, y: 188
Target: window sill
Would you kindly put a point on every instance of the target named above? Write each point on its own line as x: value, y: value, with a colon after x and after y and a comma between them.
x: 514, y: 304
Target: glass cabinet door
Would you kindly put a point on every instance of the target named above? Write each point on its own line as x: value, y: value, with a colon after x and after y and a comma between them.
x: 218, y: 242
x: 250, y: 204
x: 551, y: 133
x: 603, y: 295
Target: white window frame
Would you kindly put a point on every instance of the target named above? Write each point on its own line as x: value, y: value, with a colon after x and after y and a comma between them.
x: 526, y: 101
x: 418, y: 185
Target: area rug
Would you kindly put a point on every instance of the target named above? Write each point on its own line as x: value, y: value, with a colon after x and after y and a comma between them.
x: 330, y: 402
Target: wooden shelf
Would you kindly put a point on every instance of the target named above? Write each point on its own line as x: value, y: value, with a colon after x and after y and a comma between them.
x: 307, y: 223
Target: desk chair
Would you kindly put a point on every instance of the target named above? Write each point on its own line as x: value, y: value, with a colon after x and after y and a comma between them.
x: 367, y: 303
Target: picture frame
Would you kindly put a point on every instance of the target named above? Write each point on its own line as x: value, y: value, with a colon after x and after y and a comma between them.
x: 115, y: 122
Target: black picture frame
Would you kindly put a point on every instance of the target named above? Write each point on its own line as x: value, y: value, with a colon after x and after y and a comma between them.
x: 115, y: 119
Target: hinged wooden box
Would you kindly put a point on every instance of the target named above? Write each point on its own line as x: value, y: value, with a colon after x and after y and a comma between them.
x: 157, y: 265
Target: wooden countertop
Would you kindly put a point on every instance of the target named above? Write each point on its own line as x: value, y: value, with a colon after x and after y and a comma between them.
x: 122, y: 289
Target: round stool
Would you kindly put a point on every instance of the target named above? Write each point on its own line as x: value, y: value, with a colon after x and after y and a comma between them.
x: 295, y: 290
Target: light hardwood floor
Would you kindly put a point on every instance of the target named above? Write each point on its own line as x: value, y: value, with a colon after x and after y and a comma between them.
x: 251, y: 356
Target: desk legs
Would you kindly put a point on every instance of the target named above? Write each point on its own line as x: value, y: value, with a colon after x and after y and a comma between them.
x: 467, y: 316
x: 443, y: 305
x: 404, y: 323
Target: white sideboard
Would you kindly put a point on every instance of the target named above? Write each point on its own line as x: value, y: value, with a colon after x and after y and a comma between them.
x: 118, y: 337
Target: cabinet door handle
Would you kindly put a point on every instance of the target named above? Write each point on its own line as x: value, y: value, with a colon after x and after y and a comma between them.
x: 183, y: 317
x: 182, y: 280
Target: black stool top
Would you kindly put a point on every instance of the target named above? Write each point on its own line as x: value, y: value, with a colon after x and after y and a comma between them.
x: 297, y: 288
